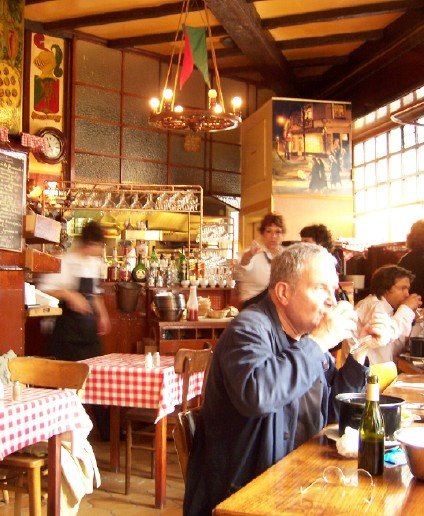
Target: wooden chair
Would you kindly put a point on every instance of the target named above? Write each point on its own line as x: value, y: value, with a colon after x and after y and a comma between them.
x: 26, y: 470
x: 183, y: 436
x: 186, y: 362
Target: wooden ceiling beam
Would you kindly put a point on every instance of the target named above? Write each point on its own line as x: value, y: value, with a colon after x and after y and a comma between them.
x: 154, y: 39
x: 119, y: 16
x: 400, y: 38
x: 342, y: 13
x: 243, y: 25
x: 331, y: 39
x: 318, y: 61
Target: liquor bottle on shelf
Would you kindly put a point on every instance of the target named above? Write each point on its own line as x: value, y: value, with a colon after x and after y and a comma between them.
x: 154, y: 264
x: 113, y: 269
x: 182, y: 266
x: 371, y: 431
x: 139, y: 272
x: 104, y: 265
x: 193, y: 305
x: 172, y: 272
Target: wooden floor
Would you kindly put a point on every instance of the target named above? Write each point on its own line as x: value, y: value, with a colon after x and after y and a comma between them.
x: 109, y: 499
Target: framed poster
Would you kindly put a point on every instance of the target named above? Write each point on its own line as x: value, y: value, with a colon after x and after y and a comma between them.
x: 312, y: 147
x: 13, y: 172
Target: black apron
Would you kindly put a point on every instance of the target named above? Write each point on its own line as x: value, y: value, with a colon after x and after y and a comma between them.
x: 75, y: 335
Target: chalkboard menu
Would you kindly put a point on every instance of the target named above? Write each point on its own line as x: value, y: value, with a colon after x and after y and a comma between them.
x: 13, y: 166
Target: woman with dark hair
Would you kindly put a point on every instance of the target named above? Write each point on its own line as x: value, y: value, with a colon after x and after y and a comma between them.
x: 414, y: 260
x: 254, y: 268
x: 317, y: 234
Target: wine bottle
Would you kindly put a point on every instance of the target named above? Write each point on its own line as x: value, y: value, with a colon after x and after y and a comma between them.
x: 193, y: 305
x: 371, y: 431
x: 139, y: 272
x: 182, y: 266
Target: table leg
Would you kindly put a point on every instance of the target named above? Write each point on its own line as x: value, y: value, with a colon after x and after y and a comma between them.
x: 114, y: 438
x: 53, y: 503
x: 160, y: 462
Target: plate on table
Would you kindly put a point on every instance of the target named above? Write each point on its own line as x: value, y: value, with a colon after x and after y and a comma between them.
x: 332, y: 433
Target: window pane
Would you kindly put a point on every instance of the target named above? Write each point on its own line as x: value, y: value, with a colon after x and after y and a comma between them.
x: 420, y: 131
x: 409, y: 162
x: 359, y: 175
x: 395, y: 140
x: 370, y: 199
x: 408, y: 136
x: 381, y: 145
x: 420, y: 190
x: 410, y: 189
x: 358, y: 154
x: 396, y: 192
x: 360, y: 201
x: 395, y: 166
x: 420, y: 159
x: 370, y: 150
x: 370, y: 174
x: 382, y: 171
x: 383, y: 196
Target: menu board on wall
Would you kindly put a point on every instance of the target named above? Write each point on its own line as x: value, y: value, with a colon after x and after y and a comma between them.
x: 12, y: 198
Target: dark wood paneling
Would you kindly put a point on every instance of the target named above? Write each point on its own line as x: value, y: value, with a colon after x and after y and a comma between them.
x: 12, y: 311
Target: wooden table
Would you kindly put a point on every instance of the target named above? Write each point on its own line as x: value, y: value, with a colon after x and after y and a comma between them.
x: 277, y: 490
x: 407, y: 365
x: 41, y: 414
x: 122, y: 380
x: 400, y: 388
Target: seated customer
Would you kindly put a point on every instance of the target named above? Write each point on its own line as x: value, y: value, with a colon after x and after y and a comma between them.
x: 389, y: 294
x: 272, y: 381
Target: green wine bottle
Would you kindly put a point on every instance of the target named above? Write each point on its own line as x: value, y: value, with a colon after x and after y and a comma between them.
x: 139, y: 272
x: 371, y: 431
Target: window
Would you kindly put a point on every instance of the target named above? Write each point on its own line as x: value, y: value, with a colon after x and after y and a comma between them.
x: 389, y: 176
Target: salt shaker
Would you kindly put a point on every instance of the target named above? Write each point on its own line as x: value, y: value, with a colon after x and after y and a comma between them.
x: 16, y: 391
x: 149, y: 361
x: 156, y: 359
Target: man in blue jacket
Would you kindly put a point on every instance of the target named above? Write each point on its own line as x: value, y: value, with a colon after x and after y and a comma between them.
x: 272, y: 381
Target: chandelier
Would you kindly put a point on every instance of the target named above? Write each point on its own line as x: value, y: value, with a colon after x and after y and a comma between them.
x: 167, y: 113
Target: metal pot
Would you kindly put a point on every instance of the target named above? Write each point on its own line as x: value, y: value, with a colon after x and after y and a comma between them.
x: 169, y: 300
x: 416, y: 346
x: 352, y: 406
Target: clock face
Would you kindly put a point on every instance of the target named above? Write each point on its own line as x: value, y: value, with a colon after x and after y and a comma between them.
x: 55, y: 151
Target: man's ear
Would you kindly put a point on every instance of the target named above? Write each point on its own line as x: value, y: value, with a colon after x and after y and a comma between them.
x: 282, y: 292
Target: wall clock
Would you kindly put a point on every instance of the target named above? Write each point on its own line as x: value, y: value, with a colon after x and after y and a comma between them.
x: 56, y: 149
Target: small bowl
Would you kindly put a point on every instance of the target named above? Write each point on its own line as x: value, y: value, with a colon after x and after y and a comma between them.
x: 218, y: 314
x: 204, y: 282
x: 185, y: 283
x: 412, y: 441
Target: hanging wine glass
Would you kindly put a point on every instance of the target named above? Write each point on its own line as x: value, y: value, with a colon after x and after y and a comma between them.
x: 122, y: 203
x: 135, y: 204
x: 108, y: 203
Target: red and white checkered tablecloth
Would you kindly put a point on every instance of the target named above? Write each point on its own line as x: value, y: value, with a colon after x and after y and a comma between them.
x: 37, y: 416
x: 121, y: 379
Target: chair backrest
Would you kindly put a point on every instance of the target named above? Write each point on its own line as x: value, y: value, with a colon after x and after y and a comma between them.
x: 183, y: 436
x: 386, y: 372
x: 189, y: 361
x: 45, y: 372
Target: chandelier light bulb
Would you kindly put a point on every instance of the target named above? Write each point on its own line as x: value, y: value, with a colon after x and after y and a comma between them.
x: 236, y: 103
x: 154, y: 104
x: 218, y: 109
x: 178, y: 109
x: 212, y: 94
x: 167, y: 94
